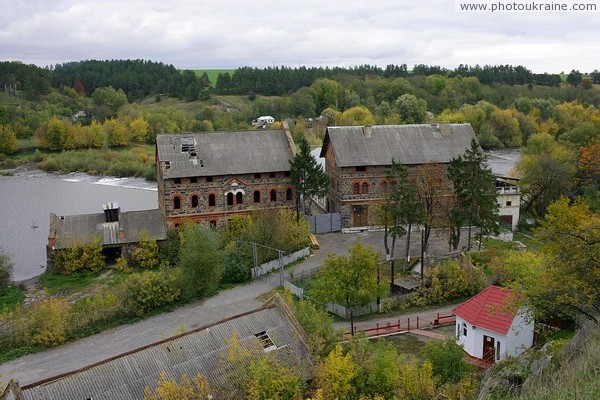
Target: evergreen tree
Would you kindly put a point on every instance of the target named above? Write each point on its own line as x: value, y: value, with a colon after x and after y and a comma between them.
x: 475, y: 189
x: 307, y: 176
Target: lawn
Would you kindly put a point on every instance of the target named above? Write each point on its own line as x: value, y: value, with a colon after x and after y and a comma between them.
x: 212, y: 73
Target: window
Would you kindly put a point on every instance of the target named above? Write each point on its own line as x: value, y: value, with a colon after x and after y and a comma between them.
x: 273, y: 195
x: 458, y: 330
x: 361, y: 169
x: 239, y: 198
x: 356, y: 187
x: 195, y: 201
x: 272, y: 175
x: 229, y: 199
x: 265, y: 341
x: 365, y: 188
x: 209, y: 179
x: 498, y: 351
x: 289, y: 194
x: 177, y: 203
x: 464, y: 329
x: 177, y: 181
x: 193, y: 179
x: 256, y: 196
x: 212, y: 200
x: 257, y: 175
x: 508, y: 203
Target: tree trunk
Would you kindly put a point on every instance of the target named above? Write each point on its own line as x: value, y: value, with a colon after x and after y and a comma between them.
x: 351, y: 322
x: 408, y: 243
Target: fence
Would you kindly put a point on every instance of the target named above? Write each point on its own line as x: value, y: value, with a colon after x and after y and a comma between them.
x: 324, y: 223
x: 274, y: 264
x: 406, y: 324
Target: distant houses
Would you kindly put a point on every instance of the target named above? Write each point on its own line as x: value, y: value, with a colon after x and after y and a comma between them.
x: 491, y: 327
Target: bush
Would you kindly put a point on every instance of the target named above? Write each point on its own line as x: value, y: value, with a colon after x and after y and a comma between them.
x: 79, y: 258
x: 6, y: 268
x: 148, y: 290
x: 49, y: 322
x: 145, y: 253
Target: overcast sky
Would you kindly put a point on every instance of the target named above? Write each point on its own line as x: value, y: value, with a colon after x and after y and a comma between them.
x: 236, y: 33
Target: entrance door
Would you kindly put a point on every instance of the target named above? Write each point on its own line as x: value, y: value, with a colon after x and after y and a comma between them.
x: 360, y: 216
x: 489, y: 348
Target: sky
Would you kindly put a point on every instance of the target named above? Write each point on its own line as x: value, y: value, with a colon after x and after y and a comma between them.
x: 200, y: 34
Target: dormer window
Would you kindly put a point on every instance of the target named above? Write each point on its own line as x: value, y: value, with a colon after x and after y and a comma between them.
x: 265, y: 341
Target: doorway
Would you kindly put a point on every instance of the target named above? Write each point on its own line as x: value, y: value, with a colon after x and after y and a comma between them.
x: 489, y: 348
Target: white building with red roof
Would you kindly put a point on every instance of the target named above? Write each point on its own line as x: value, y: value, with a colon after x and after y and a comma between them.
x: 490, y: 327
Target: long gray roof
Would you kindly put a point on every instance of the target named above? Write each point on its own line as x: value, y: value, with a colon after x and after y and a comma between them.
x: 85, y: 228
x: 224, y: 153
x: 203, y: 350
x: 406, y: 144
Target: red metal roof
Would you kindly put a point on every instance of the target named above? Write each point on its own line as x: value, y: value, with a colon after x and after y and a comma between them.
x: 490, y: 309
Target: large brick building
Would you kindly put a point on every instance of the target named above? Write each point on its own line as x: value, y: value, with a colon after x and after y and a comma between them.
x: 358, y: 157
x: 210, y: 177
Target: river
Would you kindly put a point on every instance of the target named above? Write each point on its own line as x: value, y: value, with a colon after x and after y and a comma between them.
x: 28, y: 198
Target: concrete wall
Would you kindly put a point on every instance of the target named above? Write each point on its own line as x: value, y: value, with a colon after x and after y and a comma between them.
x: 509, y: 204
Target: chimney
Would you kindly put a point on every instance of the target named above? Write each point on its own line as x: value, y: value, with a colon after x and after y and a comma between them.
x: 111, y: 212
x: 368, y: 131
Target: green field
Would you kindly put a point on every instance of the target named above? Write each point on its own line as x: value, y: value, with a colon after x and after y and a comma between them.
x: 212, y: 73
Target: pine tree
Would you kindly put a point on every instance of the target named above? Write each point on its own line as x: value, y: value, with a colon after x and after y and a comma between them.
x: 307, y: 176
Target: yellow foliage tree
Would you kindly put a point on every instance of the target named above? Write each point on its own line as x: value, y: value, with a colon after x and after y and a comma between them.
x: 49, y: 322
x: 334, y: 375
x: 186, y: 389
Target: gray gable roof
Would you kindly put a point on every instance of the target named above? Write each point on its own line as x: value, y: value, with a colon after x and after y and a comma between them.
x: 203, y: 350
x: 406, y: 144
x: 223, y: 153
x: 85, y: 228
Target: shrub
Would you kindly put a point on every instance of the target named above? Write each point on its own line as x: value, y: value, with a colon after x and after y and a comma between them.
x: 79, y: 258
x: 145, y: 254
x: 5, y: 270
x: 149, y: 290
x: 49, y: 322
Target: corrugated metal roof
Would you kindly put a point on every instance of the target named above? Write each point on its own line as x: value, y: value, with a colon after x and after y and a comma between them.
x: 406, y: 144
x: 489, y: 309
x: 85, y: 228
x: 200, y: 351
x: 223, y: 153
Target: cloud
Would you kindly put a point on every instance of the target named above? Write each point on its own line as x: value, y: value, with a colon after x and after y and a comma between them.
x: 234, y: 33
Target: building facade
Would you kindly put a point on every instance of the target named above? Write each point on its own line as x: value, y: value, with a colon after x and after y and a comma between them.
x: 509, y: 201
x: 357, y: 159
x: 210, y: 177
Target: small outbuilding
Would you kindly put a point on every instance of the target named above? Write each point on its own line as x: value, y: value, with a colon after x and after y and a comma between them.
x: 490, y: 327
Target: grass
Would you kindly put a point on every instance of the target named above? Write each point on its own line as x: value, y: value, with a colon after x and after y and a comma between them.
x: 56, y: 283
x: 11, y: 296
x: 408, y: 344
x: 212, y: 73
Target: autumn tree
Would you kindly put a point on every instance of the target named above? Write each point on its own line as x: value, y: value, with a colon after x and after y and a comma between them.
x: 8, y: 140
x: 352, y: 280
x: 547, y: 170
x: 334, y: 375
x: 447, y: 360
x: 197, y: 388
x: 569, y: 282
x: 307, y: 176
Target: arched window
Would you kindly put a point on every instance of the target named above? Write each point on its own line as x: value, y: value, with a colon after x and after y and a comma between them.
x: 212, y: 200
x: 356, y: 188
x: 257, y: 196
x: 365, y: 188
x: 229, y: 199
x: 195, y: 201
x: 239, y: 198
x: 177, y: 203
x: 289, y: 194
x: 273, y: 195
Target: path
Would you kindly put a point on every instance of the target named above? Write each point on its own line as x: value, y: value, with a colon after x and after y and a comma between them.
x: 71, y: 356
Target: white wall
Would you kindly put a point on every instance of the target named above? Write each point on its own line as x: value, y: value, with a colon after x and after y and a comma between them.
x: 518, y: 339
x: 512, y: 196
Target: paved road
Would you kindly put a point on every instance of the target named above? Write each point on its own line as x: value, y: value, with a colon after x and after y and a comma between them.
x: 110, y: 343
